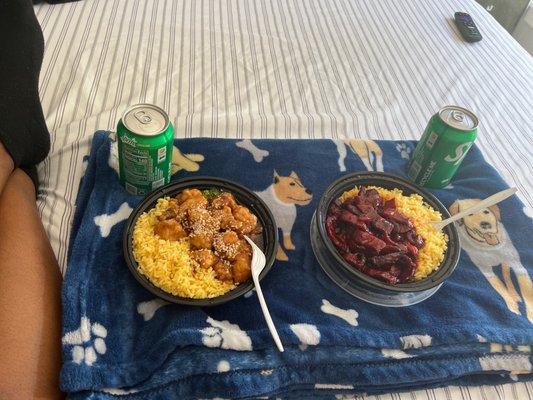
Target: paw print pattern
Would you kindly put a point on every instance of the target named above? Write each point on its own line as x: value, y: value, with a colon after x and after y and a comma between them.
x: 85, y: 350
x: 225, y: 335
x: 404, y: 150
x: 223, y: 366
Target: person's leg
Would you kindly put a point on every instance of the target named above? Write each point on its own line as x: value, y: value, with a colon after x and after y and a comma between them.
x: 30, y: 285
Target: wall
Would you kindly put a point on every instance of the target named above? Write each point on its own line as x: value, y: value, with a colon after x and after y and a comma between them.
x: 524, y: 30
x: 506, y: 12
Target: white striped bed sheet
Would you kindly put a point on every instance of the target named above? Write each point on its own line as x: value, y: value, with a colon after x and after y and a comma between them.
x: 276, y: 69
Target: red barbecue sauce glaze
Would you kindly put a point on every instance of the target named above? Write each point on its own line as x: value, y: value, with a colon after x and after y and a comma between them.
x: 374, y: 237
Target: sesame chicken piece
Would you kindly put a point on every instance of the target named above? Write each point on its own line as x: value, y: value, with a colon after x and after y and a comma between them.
x: 241, y: 270
x: 170, y: 229
x: 246, y: 220
x: 224, y: 199
x: 226, y: 244
x: 225, y: 218
x: 202, y: 226
x: 206, y: 258
x: 223, y: 271
x: 200, y: 221
x: 244, y: 247
x: 171, y: 211
x: 190, y: 204
x: 201, y: 241
x: 188, y: 194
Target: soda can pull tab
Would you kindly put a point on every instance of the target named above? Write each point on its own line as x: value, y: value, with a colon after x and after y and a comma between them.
x: 458, y: 116
x: 142, y: 117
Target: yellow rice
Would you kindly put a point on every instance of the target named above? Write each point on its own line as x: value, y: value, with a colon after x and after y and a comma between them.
x: 168, y: 265
x: 421, y: 214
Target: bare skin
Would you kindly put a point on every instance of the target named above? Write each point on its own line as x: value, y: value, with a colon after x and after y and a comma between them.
x: 30, y: 309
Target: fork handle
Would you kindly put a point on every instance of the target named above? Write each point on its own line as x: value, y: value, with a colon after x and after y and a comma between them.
x: 489, y: 201
x: 266, y: 313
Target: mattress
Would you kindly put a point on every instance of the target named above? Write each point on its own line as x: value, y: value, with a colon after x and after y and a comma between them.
x: 278, y: 69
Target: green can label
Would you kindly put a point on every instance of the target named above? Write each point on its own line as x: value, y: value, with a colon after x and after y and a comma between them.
x: 145, y: 143
x: 448, y: 137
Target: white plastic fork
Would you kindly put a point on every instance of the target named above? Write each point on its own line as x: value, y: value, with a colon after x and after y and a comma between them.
x: 489, y: 201
x: 258, y: 263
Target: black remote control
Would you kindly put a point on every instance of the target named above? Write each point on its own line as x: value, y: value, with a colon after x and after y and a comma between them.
x: 466, y: 26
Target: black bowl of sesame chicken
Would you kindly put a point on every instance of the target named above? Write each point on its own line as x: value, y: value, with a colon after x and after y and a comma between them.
x: 221, y: 249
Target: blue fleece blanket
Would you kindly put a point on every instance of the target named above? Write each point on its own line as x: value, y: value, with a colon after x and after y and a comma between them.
x: 119, y: 339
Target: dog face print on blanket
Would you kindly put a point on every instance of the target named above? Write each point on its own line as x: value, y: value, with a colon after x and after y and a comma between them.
x: 282, y: 197
x: 488, y: 245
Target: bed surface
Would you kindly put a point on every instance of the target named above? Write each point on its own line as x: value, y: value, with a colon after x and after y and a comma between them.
x: 279, y: 69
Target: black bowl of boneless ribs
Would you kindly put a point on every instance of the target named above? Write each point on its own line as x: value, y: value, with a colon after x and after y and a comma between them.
x: 368, y: 275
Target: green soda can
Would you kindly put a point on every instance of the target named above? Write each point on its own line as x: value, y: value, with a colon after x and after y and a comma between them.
x: 145, y: 140
x: 448, y: 137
